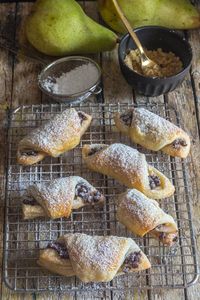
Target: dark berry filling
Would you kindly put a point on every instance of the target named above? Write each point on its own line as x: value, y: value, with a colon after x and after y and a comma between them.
x: 29, y: 201
x: 81, y: 191
x: 162, y: 235
x: 175, y: 239
x: 60, y: 248
x: 127, y: 118
x: 86, y: 194
x: 93, y: 151
x: 165, y: 238
x: 29, y: 152
x: 82, y: 117
x: 154, y: 181
x: 96, y: 196
x: 132, y: 261
x: 178, y: 143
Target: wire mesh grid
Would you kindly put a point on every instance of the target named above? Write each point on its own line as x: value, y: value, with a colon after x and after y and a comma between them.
x: 174, y: 267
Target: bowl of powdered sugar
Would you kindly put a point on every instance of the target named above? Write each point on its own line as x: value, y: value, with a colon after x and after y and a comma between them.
x: 70, y: 79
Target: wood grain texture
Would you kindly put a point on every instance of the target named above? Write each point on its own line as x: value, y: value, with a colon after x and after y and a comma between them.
x: 20, y: 76
x: 194, y: 39
x: 23, y: 87
x: 116, y: 88
x: 7, y: 11
x: 183, y: 101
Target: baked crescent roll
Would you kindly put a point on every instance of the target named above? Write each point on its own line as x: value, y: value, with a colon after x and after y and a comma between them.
x: 93, y: 258
x: 57, y: 198
x: 143, y: 215
x: 153, y: 132
x: 58, y: 135
x: 129, y: 167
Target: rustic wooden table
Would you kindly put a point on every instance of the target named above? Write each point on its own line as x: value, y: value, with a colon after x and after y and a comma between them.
x: 18, y: 85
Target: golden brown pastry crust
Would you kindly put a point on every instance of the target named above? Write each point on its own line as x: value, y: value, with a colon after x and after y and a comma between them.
x: 55, y: 137
x: 57, y: 198
x: 94, y: 258
x: 32, y: 211
x: 50, y: 259
x: 142, y: 215
x: 128, y: 166
x: 153, y: 132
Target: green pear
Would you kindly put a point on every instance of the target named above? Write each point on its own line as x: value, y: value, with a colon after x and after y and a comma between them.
x: 177, y: 14
x: 60, y: 27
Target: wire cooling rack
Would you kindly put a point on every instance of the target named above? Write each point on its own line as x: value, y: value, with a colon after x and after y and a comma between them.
x: 174, y: 267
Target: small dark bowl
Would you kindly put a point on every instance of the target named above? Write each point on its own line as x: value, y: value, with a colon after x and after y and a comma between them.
x: 152, y: 38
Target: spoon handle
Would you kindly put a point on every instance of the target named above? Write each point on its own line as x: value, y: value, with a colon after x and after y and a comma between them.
x: 128, y: 26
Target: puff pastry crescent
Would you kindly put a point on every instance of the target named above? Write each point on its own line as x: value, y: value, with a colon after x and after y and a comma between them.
x: 143, y: 215
x: 153, y: 132
x: 57, y: 198
x: 58, y: 135
x: 129, y: 167
x: 93, y: 258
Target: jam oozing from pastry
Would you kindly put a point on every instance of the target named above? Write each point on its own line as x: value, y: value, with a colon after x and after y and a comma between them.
x: 167, y: 238
x: 132, y: 261
x: 29, y: 201
x: 81, y: 191
x: 60, y: 248
x: 127, y: 118
x: 86, y: 194
x: 154, y: 181
x: 93, y: 151
x: 27, y: 152
x: 175, y: 239
x: 82, y: 117
x: 178, y: 143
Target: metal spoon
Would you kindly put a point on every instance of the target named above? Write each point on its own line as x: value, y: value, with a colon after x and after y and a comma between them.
x: 146, y: 63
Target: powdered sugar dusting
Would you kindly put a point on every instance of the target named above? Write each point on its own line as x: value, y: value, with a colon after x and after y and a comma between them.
x: 145, y: 210
x: 97, y: 253
x: 152, y: 124
x: 58, y: 192
x: 128, y: 159
x: 55, y: 132
x: 54, y: 194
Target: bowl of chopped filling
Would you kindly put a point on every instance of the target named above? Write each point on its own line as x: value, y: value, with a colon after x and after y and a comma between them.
x: 167, y: 48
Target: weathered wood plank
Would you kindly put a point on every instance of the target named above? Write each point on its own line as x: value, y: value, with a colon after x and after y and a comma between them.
x: 193, y: 37
x: 7, y: 27
x: 183, y: 101
x: 116, y: 89
x: 23, y: 90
